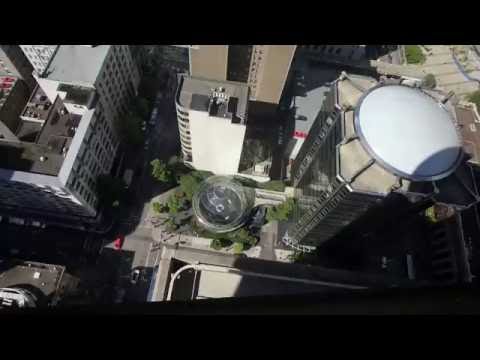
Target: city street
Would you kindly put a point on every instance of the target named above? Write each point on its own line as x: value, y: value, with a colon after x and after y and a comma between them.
x: 163, y: 140
x: 91, y: 257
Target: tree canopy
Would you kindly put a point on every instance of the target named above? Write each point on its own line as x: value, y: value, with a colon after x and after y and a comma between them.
x: 161, y: 171
x: 429, y: 81
x: 281, y: 212
x: 414, y: 54
x: 190, y: 183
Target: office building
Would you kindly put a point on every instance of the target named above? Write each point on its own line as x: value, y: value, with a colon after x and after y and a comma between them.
x: 13, y: 62
x: 212, y: 118
x: 39, y: 55
x: 264, y: 68
x: 372, y: 140
x: 66, y: 136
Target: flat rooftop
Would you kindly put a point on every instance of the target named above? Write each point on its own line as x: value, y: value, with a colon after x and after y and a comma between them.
x: 27, y: 157
x: 38, y: 105
x: 42, y: 146
x: 43, y: 279
x: 76, y: 64
x: 196, y: 94
x: 228, y: 282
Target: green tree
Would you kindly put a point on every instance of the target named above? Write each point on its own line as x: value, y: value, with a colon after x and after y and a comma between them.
x: 238, y: 247
x: 110, y: 190
x: 218, y: 244
x: 241, y: 236
x: 190, y: 183
x: 174, y: 204
x: 429, y: 81
x: 159, y: 207
x: 161, y: 171
x: 281, y: 212
x: 414, y: 54
x: 474, y: 97
x: 178, y: 167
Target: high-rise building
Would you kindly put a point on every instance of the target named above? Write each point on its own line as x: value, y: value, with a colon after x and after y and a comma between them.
x: 371, y: 140
x: 263, y: 67
x: 212, y: 118
x: 39, y: 55
x: 66, y: 135
x: 13, y: 62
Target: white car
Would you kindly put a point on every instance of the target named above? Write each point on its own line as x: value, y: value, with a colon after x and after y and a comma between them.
x: 135, y: 276
x: 153, y: 117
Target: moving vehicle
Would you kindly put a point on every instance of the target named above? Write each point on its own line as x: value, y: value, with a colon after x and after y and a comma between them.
x: 127, y: 177
x: 153, y: 117
x: 135, y: 276
x: 118, y: 243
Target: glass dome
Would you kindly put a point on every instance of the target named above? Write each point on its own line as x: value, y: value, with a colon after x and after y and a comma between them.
x: 221, y: 204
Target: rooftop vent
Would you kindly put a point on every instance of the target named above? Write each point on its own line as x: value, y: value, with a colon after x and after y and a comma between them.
x: 43, y: 158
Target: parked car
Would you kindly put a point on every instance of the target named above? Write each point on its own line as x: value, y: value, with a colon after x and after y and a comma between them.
x: 135, y: 276
x: 153, y: 117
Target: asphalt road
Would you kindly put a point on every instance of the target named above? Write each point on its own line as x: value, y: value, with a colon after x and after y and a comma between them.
x: 81, y: 252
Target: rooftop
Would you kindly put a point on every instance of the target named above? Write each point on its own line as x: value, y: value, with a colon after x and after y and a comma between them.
x: 220, y: 99
x: 395, y: 125
x: 41, y: 279
x: 29, y: 157
x: 38, y: 105
x: 76, y: 64
x: 355, y: 157
x: 45, y: 134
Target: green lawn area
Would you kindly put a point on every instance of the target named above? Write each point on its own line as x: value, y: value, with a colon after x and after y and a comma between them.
x: 414, y: 54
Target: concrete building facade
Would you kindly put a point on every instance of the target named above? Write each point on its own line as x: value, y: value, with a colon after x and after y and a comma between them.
x: 369, y: 141
x: 66, y: 138
x: 39, y: 55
